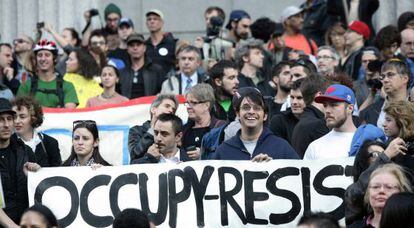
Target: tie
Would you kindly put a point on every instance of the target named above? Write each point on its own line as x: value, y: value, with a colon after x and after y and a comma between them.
x: 188, y: 85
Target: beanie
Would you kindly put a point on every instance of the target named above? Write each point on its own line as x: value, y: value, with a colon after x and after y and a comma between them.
x: 112, y: 8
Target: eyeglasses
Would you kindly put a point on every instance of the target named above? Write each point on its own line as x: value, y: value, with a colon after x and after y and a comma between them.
x: 247, y: 108
x: 97, y: 43
x: 193, y: 103
x: 85, y: 122
x: 324, y: 57
x: 386, y: 187
x: 19, y: 41
x: 388, y: 75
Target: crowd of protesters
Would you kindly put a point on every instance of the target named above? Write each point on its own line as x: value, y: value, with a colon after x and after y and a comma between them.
x: 320, y: 83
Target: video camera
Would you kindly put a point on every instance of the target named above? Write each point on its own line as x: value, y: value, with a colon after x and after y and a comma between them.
x: 214, y: 30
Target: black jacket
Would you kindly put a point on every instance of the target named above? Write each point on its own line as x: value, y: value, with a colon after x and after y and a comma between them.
x: 164, y: 53
x: 371, y: 113
x: 316, y: 21
x: 219, y: 112
x: 148, y: 158
x: 263, y: 85
x: 282, y: 124
x: 15, y: 181
x: 311, y: 126
x: 139, y: 140
x: 153, y: 77
x: 51, y: 157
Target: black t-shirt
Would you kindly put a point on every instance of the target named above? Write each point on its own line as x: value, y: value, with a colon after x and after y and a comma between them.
x: 274, y: 109
x: 137, y: 89
x: 194, y: 137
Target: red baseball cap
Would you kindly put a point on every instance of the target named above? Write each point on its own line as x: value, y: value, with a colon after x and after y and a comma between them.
x: 360, y: 28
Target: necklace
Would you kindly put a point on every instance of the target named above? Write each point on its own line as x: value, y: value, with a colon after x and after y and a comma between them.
x: 107, y: 97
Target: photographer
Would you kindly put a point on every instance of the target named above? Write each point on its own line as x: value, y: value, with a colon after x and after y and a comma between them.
x: 112, y: 15
x: 213, y: 46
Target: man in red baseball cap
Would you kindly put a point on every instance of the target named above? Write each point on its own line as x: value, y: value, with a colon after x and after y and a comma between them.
x: 358, y: 32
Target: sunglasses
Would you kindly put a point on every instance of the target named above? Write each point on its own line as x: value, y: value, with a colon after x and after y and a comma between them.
x: 85, y: 122
x: 19, y: 41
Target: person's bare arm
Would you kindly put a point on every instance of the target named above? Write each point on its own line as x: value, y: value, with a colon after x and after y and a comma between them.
x: 59, y: 39
x: 70, y: 105
x: 87, y: 33
x: 6, y: 221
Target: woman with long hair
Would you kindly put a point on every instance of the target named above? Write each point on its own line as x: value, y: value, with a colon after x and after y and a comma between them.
x: 80, y: 71
x: 85, y: 145
x: 109, y: 80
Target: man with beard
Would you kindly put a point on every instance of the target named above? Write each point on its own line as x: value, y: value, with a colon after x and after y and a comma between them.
x: 338, y: 102
x: 112, y: 15
x: 167, y: 137
x: 254, y: 141
x: 292, y: 19
x: 282, y: 78
x: 224, y: 80
x: 282, y: 124
x: 238, y: 26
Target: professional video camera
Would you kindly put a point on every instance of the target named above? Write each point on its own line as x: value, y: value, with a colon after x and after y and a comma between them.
x: 214, y: 30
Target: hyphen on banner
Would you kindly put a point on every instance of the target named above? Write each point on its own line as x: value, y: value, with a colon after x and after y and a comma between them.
x: 199, y: 193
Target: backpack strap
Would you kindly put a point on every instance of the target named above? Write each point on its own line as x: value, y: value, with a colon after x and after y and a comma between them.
x: 313, y: 51
x: 59, y: 90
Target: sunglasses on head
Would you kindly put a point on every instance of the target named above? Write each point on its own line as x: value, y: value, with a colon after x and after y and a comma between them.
x: 86, y: 122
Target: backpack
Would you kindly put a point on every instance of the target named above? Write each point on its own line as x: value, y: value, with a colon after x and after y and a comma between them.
x: 58, y: 91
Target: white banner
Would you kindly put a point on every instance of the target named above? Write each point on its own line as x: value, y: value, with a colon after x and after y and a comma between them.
x: 195, y: 194
x: 114, y: 122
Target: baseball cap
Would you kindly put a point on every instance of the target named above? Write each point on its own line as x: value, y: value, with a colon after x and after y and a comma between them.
x: 290, y: 11
x: 126, y: 21
x: 156, y: 12
x: 337, y: 92
x: 279, y: 30
x: 237, y: 15
x: 361, y: 28
x: 135, y: 37
x: 6, y: 107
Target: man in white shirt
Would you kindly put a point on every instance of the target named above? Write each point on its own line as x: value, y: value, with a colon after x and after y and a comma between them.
x: 167, y: 135
x: 338, y: 102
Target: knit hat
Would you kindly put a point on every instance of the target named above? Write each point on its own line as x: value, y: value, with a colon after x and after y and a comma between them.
x: 361, y: 28
x: 112, y: 8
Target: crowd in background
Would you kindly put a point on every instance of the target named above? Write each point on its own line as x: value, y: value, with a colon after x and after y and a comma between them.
x: 320, y: 83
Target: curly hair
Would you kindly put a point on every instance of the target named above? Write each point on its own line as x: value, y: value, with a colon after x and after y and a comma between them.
x: 33, y: 107
x: 402, y: 112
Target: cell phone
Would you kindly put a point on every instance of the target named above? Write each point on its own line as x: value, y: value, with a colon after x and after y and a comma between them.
x: 40, y: 25
x: 190, y: 148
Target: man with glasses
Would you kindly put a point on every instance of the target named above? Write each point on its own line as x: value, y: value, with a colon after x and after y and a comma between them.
x: 140, y: 77
x: 254, y: 141
x: 160, y: 45
x: 141, y: 137
x: 189, y: 59
x: 23, y: 45
x: 395, y: 77
x: 328, y: 60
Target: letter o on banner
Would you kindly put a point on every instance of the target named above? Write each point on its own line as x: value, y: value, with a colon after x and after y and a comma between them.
x: 66, y: 183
